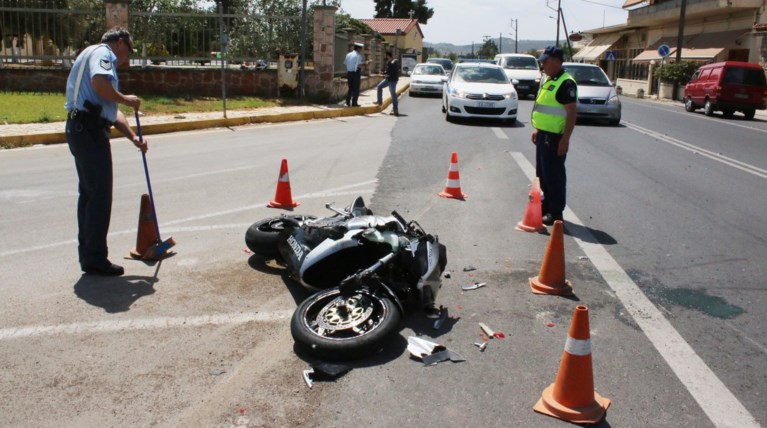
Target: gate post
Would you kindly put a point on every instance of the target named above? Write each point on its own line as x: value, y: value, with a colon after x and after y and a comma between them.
x: 324, y: 50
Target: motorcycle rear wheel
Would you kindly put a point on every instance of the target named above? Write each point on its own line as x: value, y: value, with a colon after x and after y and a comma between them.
x: 331, y: 326
x: 261, y: 236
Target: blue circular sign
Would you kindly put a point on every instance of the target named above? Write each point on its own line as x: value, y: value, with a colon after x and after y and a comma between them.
x: 664, y: 50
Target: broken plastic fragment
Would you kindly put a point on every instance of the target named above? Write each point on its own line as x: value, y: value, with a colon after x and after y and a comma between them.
x: 307, y: 377
x: 473, y: 286
x: 551, y: 324
x: 499, y: 335
x: 442, y: 317
x: 482, y: 346
x: 445, y: 355
x: 246, y: 251
x: 447, y: 274
x: 469, y: 268
x: 419, y: 347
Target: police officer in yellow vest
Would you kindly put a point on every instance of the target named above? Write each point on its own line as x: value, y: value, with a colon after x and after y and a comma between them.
x: 553, y: 122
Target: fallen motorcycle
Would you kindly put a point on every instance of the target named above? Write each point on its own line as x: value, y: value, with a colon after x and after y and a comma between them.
x: 368, y: 270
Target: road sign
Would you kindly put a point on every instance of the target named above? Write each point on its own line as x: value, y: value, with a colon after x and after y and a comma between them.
x: 664, y: 50
x: 610, y: 55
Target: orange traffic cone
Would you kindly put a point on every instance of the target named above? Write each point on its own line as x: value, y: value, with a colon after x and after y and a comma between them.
x: 147, y: 234
x: 551, y: 279
x: 282, y: 197
x: 453, y: 185
x: 533, y: 220
x: 572, y: 397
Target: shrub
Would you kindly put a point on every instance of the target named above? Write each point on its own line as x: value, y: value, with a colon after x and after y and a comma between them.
x: 676, y: 72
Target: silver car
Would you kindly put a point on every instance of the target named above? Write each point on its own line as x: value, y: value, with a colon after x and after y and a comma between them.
x: 597, y: 98
x: 427, y: 79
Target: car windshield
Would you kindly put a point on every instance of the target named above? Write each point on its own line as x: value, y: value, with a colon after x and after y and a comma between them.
x: 588, y: 76
x: 481, y: 75
x: 433, y: 70
x: 520, y: 62
x: 445, y: 63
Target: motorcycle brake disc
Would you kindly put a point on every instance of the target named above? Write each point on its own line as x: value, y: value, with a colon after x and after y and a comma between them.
x: 345, y: 313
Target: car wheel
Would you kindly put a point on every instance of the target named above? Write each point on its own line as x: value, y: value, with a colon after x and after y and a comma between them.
x: 410, y: 93
x: 688, y: 105
x: 749, y: 114
x: 444, y: 110
x: 728, y: 113
x: 449, y: 118
x: 614, y: 122
x: 708, y: 108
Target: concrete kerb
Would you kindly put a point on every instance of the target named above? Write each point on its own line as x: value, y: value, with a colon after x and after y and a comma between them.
x: 15, y: 141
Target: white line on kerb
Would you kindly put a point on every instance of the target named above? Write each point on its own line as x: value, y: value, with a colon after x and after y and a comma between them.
x: 718, y: 402
x: 142, y: 324
x: 751, y: 169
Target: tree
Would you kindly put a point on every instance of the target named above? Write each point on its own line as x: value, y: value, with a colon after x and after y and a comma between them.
x: 488, y: 50
x: 402, y: 8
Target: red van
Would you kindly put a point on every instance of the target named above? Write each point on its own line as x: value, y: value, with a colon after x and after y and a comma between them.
x: 728, y: 87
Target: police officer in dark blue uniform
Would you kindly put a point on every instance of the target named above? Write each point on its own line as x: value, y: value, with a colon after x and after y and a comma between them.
x: 553, y: 120
x: 92, y: 98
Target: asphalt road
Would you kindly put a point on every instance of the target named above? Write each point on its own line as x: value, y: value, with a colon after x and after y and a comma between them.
x: 665, y: 245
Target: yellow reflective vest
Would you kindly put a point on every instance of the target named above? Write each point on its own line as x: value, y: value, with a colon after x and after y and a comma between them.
x: 548, y: 114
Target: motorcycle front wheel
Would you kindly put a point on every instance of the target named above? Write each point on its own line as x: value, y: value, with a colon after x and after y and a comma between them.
x: 333, y: 326
x: 261, y: 237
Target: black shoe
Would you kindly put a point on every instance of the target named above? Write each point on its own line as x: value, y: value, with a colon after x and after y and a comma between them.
x: 107, y: 269
x: 356, y: 105
x: 347, y: 103
x: 549, y: 219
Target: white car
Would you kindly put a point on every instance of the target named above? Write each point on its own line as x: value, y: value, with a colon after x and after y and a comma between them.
x: 427, y: 79
x: 523, y: 70
x: 479, y: 90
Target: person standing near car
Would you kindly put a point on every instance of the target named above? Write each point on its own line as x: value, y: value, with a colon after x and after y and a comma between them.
x: 553, y: 120
x: 391, y: 77
x: 92, y: 97
x: 354, y: 62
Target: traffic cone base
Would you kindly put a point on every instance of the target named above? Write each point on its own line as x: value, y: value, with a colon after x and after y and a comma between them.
x: 532, y: 229
x: 563, y: 289
x: 591, y: 414
x: 453, y: 186
x: 282, y: 197
x: 147, y: 234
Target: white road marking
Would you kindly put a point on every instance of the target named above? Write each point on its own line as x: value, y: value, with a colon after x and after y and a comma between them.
x: 500, y: 134
x: 695, y: 116
x: 338, y: 191
x: 141, y: 324
x: 719, y: 403
x: 751, y: 169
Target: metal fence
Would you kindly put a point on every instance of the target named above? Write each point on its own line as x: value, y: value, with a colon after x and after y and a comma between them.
x: 50, y: 33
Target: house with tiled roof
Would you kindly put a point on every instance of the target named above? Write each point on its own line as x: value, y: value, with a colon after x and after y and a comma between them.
x: 409, y: 38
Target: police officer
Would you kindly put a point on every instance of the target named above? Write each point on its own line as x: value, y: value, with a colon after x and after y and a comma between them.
x: 354, y: 62
x: 554, y: 115
x: 92, y: 98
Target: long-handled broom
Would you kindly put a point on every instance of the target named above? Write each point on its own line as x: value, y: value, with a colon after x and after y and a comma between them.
x: 159, y: 250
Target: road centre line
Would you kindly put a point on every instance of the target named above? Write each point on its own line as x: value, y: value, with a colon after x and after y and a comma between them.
x: 751, y: 169
x: 719, y: 403
x: 499, y: 133
x: 338, y: 191
x: 692, y: 115
x: 108, y: 326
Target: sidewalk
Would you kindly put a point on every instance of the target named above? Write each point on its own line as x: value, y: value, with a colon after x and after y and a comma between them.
x: 12, y: 136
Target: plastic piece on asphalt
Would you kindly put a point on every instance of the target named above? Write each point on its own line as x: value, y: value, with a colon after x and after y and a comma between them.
x: 420, y: 347
x: 499, y: 335
x: 473, y: 286
x: 307, y: 377
x: 482, y: 346
x: 246, y: 251
x: 445, y: 355
x: 469, y: 268
x: 447, y: 274
x: 487, y: 330
x: 551, y: 324
x: 442, y: 317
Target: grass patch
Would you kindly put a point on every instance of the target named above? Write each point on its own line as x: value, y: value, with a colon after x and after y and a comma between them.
x: 28, y: 107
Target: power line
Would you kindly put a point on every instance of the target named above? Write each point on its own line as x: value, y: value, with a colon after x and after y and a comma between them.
x: 601, y: 4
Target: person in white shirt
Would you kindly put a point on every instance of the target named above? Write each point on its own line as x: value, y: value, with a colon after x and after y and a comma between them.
x: 354, y: 62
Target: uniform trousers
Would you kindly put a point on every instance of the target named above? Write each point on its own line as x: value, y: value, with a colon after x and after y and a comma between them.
x: 550, y: 168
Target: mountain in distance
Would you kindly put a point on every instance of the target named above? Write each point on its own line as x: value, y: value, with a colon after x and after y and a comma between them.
x: 507, y: 46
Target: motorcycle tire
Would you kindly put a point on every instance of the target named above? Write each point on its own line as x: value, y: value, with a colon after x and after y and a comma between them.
x: 261, y: 236
x: 324, y: 324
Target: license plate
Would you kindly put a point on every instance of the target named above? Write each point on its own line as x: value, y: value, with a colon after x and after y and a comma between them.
x: 741, y: 96
x: 485, y: 104
x: 523, y: 87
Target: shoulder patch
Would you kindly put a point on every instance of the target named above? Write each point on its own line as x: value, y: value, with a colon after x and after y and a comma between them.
x: 106, y: 64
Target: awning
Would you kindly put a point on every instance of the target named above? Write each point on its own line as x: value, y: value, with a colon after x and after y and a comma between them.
x: 695, y: 47
x: 597, y: 47
x: 629, y: 3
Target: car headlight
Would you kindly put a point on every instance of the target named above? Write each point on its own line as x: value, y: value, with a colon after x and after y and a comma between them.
x: 613, y: 99
x: 456, y: 93
x: 537, y: 80
x: 510, y: 96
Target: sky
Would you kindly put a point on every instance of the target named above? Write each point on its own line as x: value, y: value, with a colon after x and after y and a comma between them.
x: 464, y: 21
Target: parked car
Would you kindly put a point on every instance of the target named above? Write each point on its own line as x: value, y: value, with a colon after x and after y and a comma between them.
x: 728, y: 87
x: 446, y: 63
x: 479, y: 90
x: 427, y: 78
x: 523, y: 70
x: 597, y: 98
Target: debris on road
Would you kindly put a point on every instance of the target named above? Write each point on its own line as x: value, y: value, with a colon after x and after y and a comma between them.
x: 469, y: 268
x: 217, y: 372
x: 442, y: 317
x: 482, y: 346
x: 431, y: 353
x: 324, y: 371
x: 447, y: 274
x: 473, y: 286
x: 489, y: 332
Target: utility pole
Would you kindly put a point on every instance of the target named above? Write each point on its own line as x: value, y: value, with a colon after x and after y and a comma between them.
x: 500, y: 42
x: 515, y: 27
x: 679, y: 43
x: 303, y: 51
x: 559, y: 14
